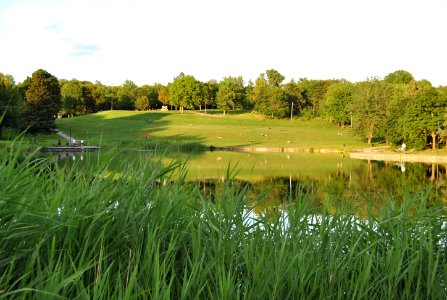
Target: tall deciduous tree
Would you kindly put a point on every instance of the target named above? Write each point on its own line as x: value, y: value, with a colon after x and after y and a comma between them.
x: 127, y: 95
x: 185, y: 92
x: 231, y: 94
x: 399, y: 77
x: 314, y: 92
x: 269, y: 96
x: 142, y: 103
x: 163, y: 94
x: 42, y: 102
x: 424, y: 118
x: 151, y: 93
x: 368, y: 107
x: 274, y: 77
x: 337, y: 102
x: 295, y: 97
x: 209, y: 91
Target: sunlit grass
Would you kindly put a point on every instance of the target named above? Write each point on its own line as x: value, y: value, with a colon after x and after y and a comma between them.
x: 69, y: 232
x: 147, y: 129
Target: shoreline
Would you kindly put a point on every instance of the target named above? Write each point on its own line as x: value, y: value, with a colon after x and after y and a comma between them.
x: 364, y: 154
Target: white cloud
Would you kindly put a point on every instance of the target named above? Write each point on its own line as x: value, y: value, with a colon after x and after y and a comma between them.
x: 153, y: 41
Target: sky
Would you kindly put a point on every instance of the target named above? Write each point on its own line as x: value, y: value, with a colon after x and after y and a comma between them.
x: 153, y: 41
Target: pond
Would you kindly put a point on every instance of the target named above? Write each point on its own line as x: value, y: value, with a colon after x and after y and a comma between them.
x: 277, y: 178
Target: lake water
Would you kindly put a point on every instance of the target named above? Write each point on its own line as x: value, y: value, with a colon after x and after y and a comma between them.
x: 276, y: 178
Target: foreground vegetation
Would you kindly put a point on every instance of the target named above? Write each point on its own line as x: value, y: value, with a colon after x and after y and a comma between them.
x: 147, y: 130
x: 88, y: 233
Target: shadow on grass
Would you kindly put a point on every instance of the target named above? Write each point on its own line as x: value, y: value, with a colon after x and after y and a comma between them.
x: 130, y: 130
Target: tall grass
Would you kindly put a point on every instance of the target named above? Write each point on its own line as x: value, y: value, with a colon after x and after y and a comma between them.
x: 85, y: 233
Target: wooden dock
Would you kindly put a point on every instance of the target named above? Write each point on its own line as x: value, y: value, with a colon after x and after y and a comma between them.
x: 400, y: 157
x: 71, y: 149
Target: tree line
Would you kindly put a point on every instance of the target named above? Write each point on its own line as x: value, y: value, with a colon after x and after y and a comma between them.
x: 396, y: 109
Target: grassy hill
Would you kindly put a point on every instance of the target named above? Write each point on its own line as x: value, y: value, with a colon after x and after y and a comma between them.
x: 135, y: 129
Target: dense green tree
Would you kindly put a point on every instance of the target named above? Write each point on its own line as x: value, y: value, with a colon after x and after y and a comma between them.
x: 142, y: 103
x: 71, y: 92
x: 269, y: 96
x: 274, y: 78
x: 105, y: 96
x: 151, y: 93
x: 10, y: 102
x: 185, y: 92
x: 209, y: 91
x: 314, y: 92
x: 78, y: 97
x: 337, y: 102
x: 42, y: 102
x: 259, y: 97
x: 369, y: 102
x: 393, y: 130
x: 423, y: 119
x: 399, y: 77
x: 127, y: 95
x: 231, y: 94
x: 295, y: 97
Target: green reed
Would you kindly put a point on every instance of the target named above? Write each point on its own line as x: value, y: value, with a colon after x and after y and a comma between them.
x: 84, y: 233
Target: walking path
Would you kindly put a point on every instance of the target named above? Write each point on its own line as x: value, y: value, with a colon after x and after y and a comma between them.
x: 63, y: 135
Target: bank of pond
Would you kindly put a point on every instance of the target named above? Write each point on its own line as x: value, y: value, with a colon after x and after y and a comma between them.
x: 220, y: 225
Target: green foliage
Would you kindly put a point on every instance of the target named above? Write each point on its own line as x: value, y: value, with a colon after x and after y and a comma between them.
x: 151, y: 93
x: 142, y: 103
x: 127, y: 95
x: 269, y: 97
x: 11, y: 103
x: 295, y: 96
x: 209, y: 92
x: 274, y: 77
x: 313, y: 93
x: 78, y: 97
x: 42, y: 102
x: 338, y: 101
x: 369, y: 103
x: 105, y: 96
x: 424, y: 118
x: 393, y: 130
x: 231, y: 93
x: 185, y: 92
x: 399, y: 77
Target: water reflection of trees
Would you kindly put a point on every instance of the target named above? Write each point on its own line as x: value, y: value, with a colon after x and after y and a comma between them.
x: 366, y: 187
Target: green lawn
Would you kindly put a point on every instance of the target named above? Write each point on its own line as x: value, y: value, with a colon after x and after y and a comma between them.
x: 141, y: 129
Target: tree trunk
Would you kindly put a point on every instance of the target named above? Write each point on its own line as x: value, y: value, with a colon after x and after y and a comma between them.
x: 370, y: 136
x: 433, y: 138
x: 181, y: 109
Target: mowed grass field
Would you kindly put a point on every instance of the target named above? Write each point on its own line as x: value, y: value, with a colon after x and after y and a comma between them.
x: 137, y: 129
